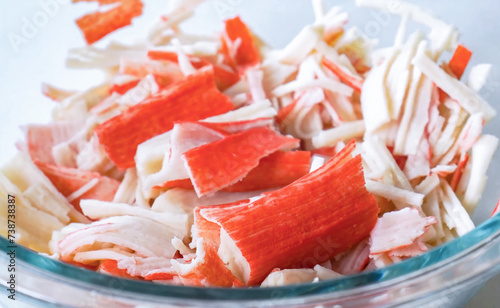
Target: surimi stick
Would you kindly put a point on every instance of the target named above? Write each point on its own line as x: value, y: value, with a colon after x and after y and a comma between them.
x: 327, y: 210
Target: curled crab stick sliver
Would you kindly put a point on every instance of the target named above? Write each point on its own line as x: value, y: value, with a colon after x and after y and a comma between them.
x: 68, y: 180
x: 459, y: 61
x: 344, y: 75
x: 198, y: 97
x: 307, y: 222
x: 239, y: 45
x: 99, y: 24
x: 214, y: 166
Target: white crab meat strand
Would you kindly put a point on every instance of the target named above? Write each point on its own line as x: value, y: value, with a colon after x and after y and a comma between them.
x: 427, y: 185
x: 376, y: 105
x: 184, y: 62
x: 55, y: 93
x: 262, y: 109
x: 184, y: 137
x: 126, y: 191
x: 75, y: 107
x: 325, y: 83
x: 482, y: 155
x: 382, y: 161
x: 91, y: 256
x: 102, y: 58
x: 400, y: 74
x: 255, y: 78
x: 275, y: 74
x: 400, y: 197
x: 346, y: 131
x: 454, y: 214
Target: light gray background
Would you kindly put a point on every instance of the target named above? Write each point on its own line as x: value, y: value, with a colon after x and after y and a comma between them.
x: 41, y: 58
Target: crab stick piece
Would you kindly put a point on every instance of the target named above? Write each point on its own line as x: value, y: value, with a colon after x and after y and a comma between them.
x: 459, y: 61
x: 276, y: 170
x: 219, y: 164
x: 199, y: 97
x: 99, y: 24
x: 239, y: 45
x: 307, y: 222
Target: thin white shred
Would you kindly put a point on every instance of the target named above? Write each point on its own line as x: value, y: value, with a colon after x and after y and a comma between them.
x: 375, y: 103
x: 428, y: 185
x: 300, y: 46
x: 95, y: 209
x: 327, y: 84
x: 126, y: 191
x: 184, y: 62
x: 456, y: 217
x: 401, y: 198
x: 344, y: 132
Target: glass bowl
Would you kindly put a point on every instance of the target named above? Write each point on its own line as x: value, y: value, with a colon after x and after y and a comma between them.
x: 447, y: 276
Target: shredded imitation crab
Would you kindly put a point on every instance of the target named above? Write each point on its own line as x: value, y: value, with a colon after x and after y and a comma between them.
x: 220, y: 161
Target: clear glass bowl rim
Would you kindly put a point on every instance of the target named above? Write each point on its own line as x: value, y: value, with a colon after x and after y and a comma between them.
x: 444, y: 255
